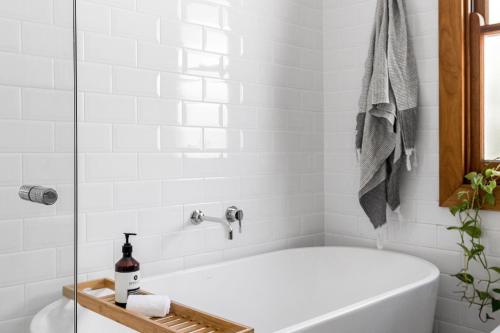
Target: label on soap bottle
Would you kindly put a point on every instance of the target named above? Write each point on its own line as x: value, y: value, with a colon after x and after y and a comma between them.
x: 125, y: 284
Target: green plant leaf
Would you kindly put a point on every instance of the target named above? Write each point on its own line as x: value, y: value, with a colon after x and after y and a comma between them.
x: 472, y: 231
x: 466, y: 250
x: 492, y: 184
x: 465, y: 277
x: 482, y: 295
x: 489, y: 187
x: 453, y: 228
x: 490, y: 199
x: 461, y: 207
x: 488, y: 173
x: 474, y: 252
x: 478, y: 247
x: 470, y: 176
x: 495, y: 269
x: 454, y: 210
x: 495, y: 304
x: 496, y: 290
x: 468, y: 223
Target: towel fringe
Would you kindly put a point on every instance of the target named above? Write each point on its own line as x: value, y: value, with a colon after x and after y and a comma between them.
x: 380, y: 232
x: 397, y: 211
x: 408, y: 154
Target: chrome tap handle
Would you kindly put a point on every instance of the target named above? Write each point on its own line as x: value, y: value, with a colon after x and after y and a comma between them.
x: 239, y: 217
x: 234, y: 214
x: 197, y: 217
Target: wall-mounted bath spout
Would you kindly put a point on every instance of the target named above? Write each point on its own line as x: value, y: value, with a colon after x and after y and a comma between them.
x: 233, y: 214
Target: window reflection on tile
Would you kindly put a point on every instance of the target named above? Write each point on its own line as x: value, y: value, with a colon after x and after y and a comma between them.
x: 216, y: 139
x: 236, y: 68
x: 181, y: 138
x: 200, y: 63
x: 216, y: 41
x: 181, y: 86
x: 181, y: 34
x: 202, y: 114
x: 222, y: 139
x: 222, y: 91
x: 201, y: 13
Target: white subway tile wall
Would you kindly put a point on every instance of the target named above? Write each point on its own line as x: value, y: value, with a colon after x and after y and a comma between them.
x: 421, y: 230
x: 201, y: 104
x: 192, y: 104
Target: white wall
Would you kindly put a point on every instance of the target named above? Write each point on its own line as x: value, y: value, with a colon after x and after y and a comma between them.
x: 36, y: 104
x: 199, y: 104
x: 422, y: 231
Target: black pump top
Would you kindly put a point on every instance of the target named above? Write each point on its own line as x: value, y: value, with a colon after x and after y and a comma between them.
x: 127, y: 247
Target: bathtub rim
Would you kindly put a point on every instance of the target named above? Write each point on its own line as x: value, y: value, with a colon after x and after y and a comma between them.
x: 295, y: 249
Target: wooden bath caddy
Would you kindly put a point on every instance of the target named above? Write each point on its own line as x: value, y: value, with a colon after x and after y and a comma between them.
x: 181, y: 319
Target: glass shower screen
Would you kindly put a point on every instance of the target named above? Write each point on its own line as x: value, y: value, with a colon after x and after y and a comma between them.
x: 37, y: 157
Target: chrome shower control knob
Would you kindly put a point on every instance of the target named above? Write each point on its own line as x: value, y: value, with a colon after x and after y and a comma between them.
x: 38, y: 194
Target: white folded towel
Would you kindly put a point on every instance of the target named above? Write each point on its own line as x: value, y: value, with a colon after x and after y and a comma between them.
x: 149, y: 305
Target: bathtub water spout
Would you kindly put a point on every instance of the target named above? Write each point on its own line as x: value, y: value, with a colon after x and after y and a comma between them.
x: 198, y: 217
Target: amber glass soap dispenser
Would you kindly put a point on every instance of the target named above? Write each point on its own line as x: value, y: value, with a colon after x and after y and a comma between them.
x: 127, y: 274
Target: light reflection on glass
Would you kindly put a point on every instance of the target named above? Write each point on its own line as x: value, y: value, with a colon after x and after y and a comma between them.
x: 491, y: 97
x: 494, y: 11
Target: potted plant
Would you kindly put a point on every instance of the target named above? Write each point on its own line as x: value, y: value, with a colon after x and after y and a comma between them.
x: 477, y: 289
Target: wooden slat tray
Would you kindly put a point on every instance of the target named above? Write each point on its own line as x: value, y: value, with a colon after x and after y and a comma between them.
x: 181, y: 319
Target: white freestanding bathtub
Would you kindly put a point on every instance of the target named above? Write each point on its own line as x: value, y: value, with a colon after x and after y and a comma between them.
x: 323, y: 289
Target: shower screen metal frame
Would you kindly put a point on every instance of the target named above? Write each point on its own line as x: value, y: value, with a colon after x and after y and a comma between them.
x: 75, y: 165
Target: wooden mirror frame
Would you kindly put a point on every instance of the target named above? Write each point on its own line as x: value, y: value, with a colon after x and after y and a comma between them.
x: 460, y: 135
